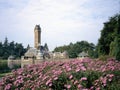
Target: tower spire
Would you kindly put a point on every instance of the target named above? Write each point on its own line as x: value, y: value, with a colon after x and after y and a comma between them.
x: 37, y: 36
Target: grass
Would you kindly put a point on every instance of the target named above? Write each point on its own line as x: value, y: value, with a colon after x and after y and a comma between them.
x: 4, y: 70
x: 4, y: 74
x: 3, y: 66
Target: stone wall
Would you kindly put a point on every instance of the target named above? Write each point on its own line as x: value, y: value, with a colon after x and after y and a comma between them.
x: 13, y: 63
x: 26, y: 62
x: 30, y: 61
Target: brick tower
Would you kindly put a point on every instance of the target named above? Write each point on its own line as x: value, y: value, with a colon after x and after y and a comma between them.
x: 37, y: 36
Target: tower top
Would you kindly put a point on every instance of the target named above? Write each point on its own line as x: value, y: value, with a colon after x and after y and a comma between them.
x: 37, y: 27
x: 37, y: 36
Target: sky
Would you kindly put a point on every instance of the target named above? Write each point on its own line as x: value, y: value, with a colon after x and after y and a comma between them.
x: 61, y: 21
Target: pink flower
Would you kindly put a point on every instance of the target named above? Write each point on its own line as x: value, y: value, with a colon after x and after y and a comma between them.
x: 77, y: 70
x: 50, y: 84
x: 83, y: 79
x: 83, y: 68
x: 48, y: 81
x: 69, y: 69
x: 98, y: 88
x: 71, y: 76
x: 68, y: 86
x: 79, y: 86
x: 75, y: 82
x: 55, y: 78
x: 104, y: 80
x: 110, y: 75
x: 33, y: 88
x: 8, y: 86
x: 85, y: 89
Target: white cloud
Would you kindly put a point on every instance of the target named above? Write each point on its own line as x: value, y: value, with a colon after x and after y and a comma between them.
x: 62, y: 21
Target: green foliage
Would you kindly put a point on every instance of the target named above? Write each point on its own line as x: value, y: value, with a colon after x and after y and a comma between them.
x: 104, y: 57
x: 107, y: 43
x: 115, y: 83
x: 112, y: 49
x: 3, y: 66
x: 64, y: 80
x: 60, y: 82
x: 90, y: 75
x: 46, y: 47
x: 11, y: 48
x: 74, y: 49
x: 117, y: 48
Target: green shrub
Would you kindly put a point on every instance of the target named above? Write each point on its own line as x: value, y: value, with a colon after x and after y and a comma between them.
x: 90, y: 75
x: 3, y: 66
x: 104, y: 58
x: 60, y: 82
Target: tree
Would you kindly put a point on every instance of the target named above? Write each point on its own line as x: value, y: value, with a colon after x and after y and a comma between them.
x: 6, y: 51
x: 106, y: 43
x: 1, y: 50
x: 117, y: 48
x: 19, y: 50
x: 46, y: 47
x: 117, y: 40
x: 28, y: 47
x: 76, y: 48
x: 112, y: 48
x: 11, y: 48
x: 6, y: 43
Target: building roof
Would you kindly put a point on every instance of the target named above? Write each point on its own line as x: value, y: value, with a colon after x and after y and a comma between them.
x: 83, y: 54
x: 11, y: 57
x: 31, y: 52
x: 37, y: 27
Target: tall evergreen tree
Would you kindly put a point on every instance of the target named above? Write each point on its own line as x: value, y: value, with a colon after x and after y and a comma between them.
x: 46, y: 47
x: 1, y: 50
x: 28, y: 47
x: 11, y: 48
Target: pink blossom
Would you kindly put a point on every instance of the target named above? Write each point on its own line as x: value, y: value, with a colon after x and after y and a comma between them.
x: 79, y: 86
x: 50, y: 84
x: 42, y: 75
x: 83, y: 68
x: 48, y: 81
x: 104, y: 80
x: 68, y: 86
x: 98, y: 88
x: 55, y: 78
x: 76, y: 82
x: 33, y: 88
x: 71, y: 76
x: 77, y: 70
x: 69, y: 69
x: 8, y: 86
x: 83, y: 79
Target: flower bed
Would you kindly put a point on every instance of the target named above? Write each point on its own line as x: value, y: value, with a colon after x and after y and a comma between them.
x: 75, y: 74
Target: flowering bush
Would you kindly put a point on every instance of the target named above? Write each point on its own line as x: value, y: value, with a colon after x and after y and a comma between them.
x: 75, y: 74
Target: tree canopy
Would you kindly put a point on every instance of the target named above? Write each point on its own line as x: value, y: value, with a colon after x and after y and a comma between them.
x: 109, y: 42
x: 74, y: 49
x: 11, y: 48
